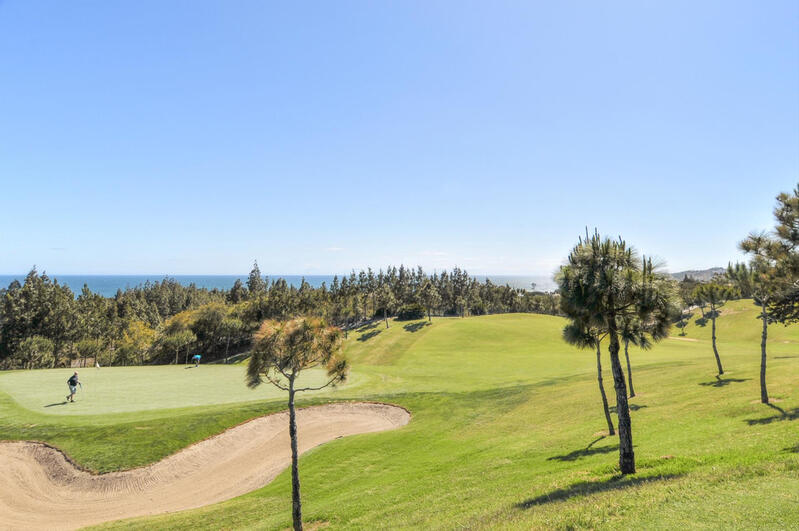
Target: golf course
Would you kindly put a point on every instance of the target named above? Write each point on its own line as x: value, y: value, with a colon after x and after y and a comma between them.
x: 499, y: 424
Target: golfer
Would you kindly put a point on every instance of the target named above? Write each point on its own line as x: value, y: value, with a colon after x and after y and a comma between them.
x: 196, y: 359
x: 73, y: 384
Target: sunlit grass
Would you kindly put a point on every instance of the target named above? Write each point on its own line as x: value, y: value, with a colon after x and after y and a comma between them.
x: 507, y: 431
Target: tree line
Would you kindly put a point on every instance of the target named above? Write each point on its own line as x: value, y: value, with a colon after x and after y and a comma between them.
x: 43, y: 324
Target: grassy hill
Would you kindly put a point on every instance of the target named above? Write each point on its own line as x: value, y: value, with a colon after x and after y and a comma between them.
x: 703, y: 275
x: 507, y: 431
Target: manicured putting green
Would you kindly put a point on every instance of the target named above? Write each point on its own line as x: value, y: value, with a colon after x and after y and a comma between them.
x: 127, y: 389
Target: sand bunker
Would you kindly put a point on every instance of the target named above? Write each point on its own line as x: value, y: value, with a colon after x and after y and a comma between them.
x: 41, y: 489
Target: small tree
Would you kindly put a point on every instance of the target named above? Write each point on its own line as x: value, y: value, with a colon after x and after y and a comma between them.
x: 88, y: 348
x: 255, y: 282
x: 582, y: 336
x: 385, y: 298
x: 230, y: 327
x: 429, y: 297
x: 715, y: 294
x: 137, y: 339
x: 644, y: 333
x: 686, y: 295
x: 281, y: 351
x: 630, y: 331
x: 762, y: 280
x: 785, y: 306
x: 177, y: 340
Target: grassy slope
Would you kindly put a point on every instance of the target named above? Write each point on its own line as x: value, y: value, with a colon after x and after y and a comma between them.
x: 507, y: 432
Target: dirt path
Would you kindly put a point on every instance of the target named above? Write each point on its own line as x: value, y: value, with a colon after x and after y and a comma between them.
x: 40, y: 489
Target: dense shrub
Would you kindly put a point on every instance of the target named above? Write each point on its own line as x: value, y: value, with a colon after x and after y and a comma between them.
x: 410, y: 312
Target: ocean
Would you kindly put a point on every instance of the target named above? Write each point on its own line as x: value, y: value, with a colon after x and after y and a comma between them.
x: 107, y: 285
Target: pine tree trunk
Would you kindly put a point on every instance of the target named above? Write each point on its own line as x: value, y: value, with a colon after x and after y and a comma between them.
x: 713, y: 337
x: 227, y: 348
x: 385, y: 316
x: 296, y: 504
x: 605, y: 407
x: 429, y: 318
x: 629, y: 371
x: 764, y: 336
x: 626, y: 454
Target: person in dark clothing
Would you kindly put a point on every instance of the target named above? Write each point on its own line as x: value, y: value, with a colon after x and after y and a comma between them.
x: 73, y: 384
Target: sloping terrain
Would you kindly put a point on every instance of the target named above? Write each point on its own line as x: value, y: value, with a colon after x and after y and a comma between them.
x: 507, y: 432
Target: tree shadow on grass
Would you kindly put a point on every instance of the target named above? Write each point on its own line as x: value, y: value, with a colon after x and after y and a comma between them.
x: 369, y: 335
x: 367, y: 326
x: 585, y: 452
x: 783, y: 415
x: 633, y: 407
x: 721, y: 382
x: 784, y: 357
x: 57, y: 404
x: 415, y: 327
x: 583, y: 488
x: 792, y: 449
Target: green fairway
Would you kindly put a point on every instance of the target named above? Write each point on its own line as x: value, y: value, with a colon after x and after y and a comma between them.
x: 507, y: 430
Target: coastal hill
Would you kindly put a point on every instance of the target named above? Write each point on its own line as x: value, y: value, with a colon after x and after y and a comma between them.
x: 699, y: 274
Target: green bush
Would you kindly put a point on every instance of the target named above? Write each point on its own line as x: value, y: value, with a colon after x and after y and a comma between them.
x: 410, y: 312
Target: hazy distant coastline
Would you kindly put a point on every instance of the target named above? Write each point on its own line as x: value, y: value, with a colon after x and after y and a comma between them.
x: 107, y: 285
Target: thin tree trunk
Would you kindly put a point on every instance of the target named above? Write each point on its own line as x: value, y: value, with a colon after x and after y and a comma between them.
x: 629, y: 371
x: 227, y: 348
x: 713, y: 337
x: 385, y: 316
x: 626, y: 454
x: 682, y: 322
x: 429, y: 318
x: 605, y: 407
x: 296, y: 504
x: 763, y: 391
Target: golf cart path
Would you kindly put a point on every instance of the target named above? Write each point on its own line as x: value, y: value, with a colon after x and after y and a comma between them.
x: 41, y: 489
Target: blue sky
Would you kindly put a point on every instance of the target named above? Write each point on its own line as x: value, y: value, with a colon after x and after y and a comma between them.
x: 316, y: 137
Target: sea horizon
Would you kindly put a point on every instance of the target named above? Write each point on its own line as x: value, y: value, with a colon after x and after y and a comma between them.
x: 108, y: 284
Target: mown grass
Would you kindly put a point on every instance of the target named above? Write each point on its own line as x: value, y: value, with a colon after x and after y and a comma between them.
x: 507, y: 432
x: 131, y: 389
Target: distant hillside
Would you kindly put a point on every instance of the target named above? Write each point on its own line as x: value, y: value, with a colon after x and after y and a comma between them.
x: 703, y: 274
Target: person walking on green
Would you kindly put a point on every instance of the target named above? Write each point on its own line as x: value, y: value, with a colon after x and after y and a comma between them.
x: 73, y: 384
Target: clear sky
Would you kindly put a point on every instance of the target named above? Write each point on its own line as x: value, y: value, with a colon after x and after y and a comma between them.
x: 183, y: 137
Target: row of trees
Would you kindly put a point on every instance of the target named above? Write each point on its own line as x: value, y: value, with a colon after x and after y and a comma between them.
x: 770, y: 279
x: 606, y: 292
x: 42, y: 323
